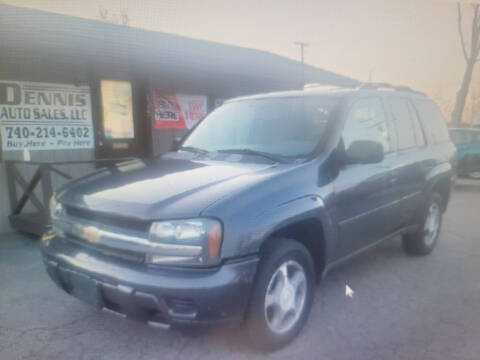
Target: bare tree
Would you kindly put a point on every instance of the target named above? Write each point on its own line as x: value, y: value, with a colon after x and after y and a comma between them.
x: 103, y: 13
x: 125, y: 18
x: 470, y: 56
x: 111, y: 17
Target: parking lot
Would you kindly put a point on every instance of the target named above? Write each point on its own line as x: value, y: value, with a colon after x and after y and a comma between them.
x: 403, y: 307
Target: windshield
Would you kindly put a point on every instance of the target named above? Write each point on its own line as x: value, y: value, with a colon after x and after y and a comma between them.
x: 289, y: 127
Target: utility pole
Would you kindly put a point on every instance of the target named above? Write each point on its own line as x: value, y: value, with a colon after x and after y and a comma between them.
x: 302, y: 46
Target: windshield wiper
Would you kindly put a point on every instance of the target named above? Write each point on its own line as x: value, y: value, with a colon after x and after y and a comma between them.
x: 193, y: 149
x: 251, y: 152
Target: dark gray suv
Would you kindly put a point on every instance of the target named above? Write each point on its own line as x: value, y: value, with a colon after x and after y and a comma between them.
x: 262, y: 198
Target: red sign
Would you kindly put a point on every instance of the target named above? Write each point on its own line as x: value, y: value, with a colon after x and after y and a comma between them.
x: 176, y: 111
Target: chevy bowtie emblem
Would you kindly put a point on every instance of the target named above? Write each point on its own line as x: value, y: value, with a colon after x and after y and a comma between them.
x: 91, y: 234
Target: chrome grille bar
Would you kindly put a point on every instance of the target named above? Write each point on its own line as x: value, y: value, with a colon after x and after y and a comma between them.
x: 129, y: 240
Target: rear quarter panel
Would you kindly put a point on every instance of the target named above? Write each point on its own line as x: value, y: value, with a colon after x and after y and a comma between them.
x: 441, y: 169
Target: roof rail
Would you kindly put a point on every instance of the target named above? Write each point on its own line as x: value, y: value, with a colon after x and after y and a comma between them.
x: 388, y: 86
x: 321, y: 86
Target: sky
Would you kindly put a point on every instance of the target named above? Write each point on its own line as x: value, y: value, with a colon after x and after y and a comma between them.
x: 404, y: 42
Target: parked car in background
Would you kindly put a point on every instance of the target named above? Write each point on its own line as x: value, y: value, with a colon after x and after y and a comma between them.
x: 467, y: 142
x: 265, y: 196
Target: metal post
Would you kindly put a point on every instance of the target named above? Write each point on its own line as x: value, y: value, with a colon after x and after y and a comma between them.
x: 47, y: 190
x: 12, y: 189
x: 302, y: 46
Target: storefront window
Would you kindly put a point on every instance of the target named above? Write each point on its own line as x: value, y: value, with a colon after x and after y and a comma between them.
x: 117, y: 109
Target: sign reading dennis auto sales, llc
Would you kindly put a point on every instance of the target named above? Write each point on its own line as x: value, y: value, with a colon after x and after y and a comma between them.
x: 45, y: 116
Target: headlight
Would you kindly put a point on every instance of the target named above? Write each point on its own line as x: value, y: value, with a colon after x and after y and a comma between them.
x: 56, y: 209
x: 186, y: 242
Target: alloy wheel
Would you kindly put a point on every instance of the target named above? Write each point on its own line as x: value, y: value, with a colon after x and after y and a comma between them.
x: 285, y: 297
x: 432, y: 224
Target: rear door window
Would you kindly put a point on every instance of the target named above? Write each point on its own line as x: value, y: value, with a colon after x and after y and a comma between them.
x: 399, y: 108
x: 417, y: 127
x: 432, y: 120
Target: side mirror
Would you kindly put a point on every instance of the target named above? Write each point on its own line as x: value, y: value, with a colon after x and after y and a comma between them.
x: 364, y: 152
x: 175, y: 144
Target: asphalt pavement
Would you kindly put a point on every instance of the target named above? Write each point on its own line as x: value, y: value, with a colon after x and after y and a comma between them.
x: 403, y: 307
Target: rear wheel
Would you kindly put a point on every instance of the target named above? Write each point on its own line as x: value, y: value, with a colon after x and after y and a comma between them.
x: 282, y: 295
x: 425, y: 239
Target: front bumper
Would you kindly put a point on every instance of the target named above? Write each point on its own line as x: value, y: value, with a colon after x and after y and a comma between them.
x: 158, y: 296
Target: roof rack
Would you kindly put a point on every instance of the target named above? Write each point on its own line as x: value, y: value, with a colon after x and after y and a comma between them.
x: 387, y: 86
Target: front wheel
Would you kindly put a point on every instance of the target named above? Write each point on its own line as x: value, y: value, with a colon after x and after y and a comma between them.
x: 282, y: 295
x: 425, y: 239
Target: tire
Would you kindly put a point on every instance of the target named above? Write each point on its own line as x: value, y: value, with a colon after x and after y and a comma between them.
x: 424, y: 240
x: 277, y: 312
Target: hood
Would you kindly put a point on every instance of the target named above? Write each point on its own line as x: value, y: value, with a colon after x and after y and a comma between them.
x: 172, y: 186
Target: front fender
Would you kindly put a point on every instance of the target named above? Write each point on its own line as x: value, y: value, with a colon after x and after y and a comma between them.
x: 247, y: 236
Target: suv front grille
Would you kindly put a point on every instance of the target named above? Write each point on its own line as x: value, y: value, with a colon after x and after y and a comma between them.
x: 130, y: 256
x: 104, y: 234
x: 116, y: 221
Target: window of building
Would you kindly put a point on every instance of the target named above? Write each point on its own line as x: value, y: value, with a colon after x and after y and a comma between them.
x: 117, y: 109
